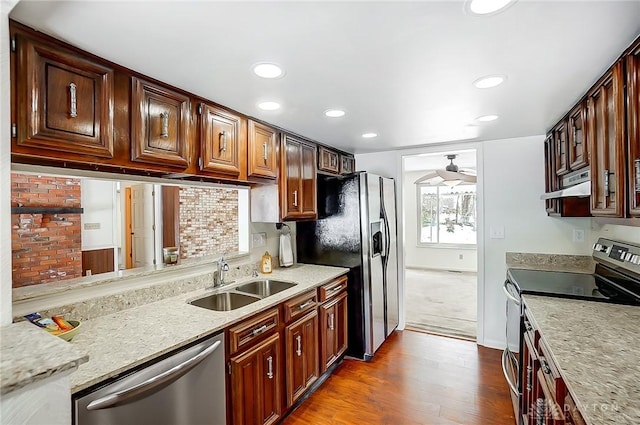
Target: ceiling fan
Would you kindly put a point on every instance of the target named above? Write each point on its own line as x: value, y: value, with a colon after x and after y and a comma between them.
x: 450, y: 176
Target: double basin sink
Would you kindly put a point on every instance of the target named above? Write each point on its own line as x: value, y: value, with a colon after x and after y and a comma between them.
x: 242, y: 295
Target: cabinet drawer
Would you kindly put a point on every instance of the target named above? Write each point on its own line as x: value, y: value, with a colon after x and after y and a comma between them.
x: 299, y: 305
x: 332, y: 289
x: 550, y: 372
x: 245, y: 333
x: 573, y: 415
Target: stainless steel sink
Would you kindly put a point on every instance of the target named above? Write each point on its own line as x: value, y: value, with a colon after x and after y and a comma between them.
x: 224, y: 301
x: 264, y: 288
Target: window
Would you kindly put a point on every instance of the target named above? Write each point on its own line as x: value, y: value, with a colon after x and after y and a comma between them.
x: 447, y: 215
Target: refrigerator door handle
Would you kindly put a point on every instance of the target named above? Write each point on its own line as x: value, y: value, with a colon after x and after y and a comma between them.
x: 385, y: 241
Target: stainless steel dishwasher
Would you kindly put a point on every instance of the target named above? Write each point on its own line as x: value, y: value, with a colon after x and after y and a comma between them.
x: 187, y: 388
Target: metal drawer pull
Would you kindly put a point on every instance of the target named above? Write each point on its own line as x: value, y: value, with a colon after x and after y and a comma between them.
x: 73, y: 109
x: 258, y: 331
x: 270, y: 367
x: 305, y: 305
x: 337, y: 288
x: 295, y: 198
x: 264, y: 151
x: 512, y: 386
x: 168, y: 375
x: 165, y: 124
x: 545, y: 367
x: 223, y: 145
x: 331, y: 321
x: 299, y: 350
x: 606, y: 184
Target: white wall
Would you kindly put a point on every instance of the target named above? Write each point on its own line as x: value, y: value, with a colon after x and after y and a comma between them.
x: 273, y: 240
x: 429, y: 257
x: 510, y: 181
x: 98, y: 199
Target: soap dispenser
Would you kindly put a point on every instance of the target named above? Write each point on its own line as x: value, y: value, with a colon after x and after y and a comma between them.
x: 265, y: 263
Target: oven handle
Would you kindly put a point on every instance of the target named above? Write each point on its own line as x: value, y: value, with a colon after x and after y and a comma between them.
x: 508, y: 293
x: 505, y: 357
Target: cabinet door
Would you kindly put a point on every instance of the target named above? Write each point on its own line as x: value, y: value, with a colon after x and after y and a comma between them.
x: 159, y: 124
x: 256, y: 384
x: 301, y: 339
x: 577, y: 137
x: 561, y: 143
x: 222, y: 140
x: 529, y: 378
x: 333, y: 330
x: 328, y: 160
x: 347, y: 164
x: 262, y: 151
x: 66, y: 101
x: 298, y: 183
x: 606, y: 144
x: 633, y: 126
x: 551, y: 178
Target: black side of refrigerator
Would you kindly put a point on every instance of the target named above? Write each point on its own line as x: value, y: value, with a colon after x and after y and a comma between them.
x: 335, y: 240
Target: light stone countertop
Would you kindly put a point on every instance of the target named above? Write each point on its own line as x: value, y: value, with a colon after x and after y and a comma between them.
x: 551, y: 262
x: 597, y: 349
x: 121, y: 341
x: 29, y: 354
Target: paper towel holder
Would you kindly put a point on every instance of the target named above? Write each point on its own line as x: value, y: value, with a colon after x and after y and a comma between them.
x: 281, y: 227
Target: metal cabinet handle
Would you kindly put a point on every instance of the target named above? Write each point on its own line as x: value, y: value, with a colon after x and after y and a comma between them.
x: 337, y: 288
x: 258, y: 331
x: 545, y: 367
x: 73, y: 107
x: 331, y: 321
x: 607, y: 192
x: 529, y: 378
x: 173, y: 373
x: 506, y: 291
x: 270, y: 367
x: 295, y: 198
x: 223, y: 144
x: 636, y: 164
x: 512, y: 386
x: 575, y: 135
x: 264, y: 151
x: 299, y: 350
x: 540, y: 411
x: 165, y: 124
x: 305, y: 305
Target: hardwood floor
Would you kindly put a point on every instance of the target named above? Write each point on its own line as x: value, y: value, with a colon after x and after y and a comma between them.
x: 414, y: 378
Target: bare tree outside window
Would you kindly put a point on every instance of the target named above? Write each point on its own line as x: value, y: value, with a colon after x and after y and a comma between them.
x: 447, y: 215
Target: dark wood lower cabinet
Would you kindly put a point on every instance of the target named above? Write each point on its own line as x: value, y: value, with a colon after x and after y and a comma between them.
x: 301, y: 339
x: 256, y: 384
x: 333, y: 330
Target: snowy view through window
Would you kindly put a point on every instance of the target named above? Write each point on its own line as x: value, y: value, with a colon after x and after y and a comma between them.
x: 447, y: 215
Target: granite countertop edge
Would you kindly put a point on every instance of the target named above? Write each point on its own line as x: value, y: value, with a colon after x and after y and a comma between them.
x: 597, y: 405
x: 122, y: 341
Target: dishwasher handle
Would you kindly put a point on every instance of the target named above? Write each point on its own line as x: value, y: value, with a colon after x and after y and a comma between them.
x: 508, y: 293
x: 168, y: 375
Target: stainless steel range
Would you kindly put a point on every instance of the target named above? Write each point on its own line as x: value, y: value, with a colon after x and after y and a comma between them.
x: 616, y: 280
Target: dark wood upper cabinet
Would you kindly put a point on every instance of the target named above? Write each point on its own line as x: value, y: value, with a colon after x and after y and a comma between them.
x: 298, y: 182
x: 301, y: 339
x: 223, y: 141
x: 328, y: 160
x: 606, y: 136
x: 561, y: 144
x: 347, y: 164
x: 551, y: 178
x: 578, y: 156
x: 262, y: 149
x: 160, y: 121
x: 633, y: 127
x: 64, y: 101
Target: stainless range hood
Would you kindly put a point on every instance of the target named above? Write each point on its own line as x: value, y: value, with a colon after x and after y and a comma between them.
x: 577, y: 185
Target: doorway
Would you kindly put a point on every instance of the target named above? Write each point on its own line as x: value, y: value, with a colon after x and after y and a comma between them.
x: 140, y: 227
x: 440, y: 216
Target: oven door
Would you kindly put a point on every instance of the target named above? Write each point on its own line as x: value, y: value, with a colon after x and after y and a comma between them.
x: 511, y: 354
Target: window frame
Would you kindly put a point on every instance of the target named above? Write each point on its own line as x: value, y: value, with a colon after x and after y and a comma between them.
x: 443, y: 245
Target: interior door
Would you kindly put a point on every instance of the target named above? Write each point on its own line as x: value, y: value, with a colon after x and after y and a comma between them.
x: 142, y: 225
x: 390, y: 260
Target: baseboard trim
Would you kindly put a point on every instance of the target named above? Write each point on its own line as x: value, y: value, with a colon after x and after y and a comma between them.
x: 440, y: 269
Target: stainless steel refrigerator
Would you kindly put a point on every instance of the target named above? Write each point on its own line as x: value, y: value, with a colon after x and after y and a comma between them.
x: 356, y: 228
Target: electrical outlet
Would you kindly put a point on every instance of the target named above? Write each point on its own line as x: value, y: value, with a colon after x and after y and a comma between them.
x: 460, y: 257
x: 578, y: 235
x: 258, y: 239
x: 91, y: 226
x: 496, y: 232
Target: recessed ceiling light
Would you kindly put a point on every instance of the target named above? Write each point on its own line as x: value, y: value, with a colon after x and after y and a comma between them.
x: 489, y: 81
x: 487, y: 7
x: 334, y: 113
x: 269, y: 106
x: 487, y: 118
x: 369, y: 135
x: 268, y: 70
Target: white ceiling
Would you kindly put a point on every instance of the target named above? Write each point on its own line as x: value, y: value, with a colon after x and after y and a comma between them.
x: 465, y: 160
x: 403, y: 70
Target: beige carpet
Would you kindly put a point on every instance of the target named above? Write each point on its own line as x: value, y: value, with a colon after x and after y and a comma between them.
x: 442, y: 302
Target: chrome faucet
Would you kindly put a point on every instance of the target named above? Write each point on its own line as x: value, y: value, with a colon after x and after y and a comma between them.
x: 218, y: 277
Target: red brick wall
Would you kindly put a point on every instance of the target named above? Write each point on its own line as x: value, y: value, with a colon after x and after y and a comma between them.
x: 45, y: 248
